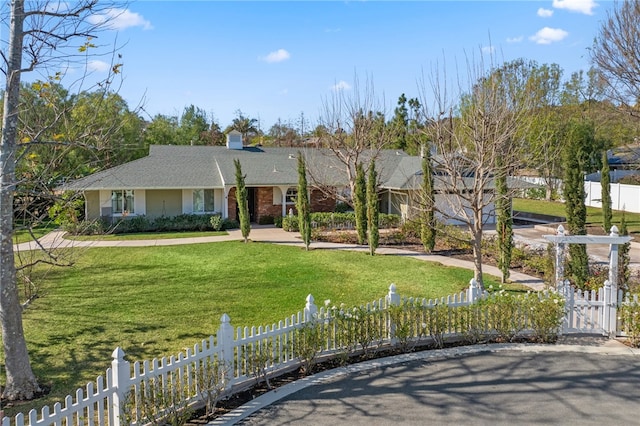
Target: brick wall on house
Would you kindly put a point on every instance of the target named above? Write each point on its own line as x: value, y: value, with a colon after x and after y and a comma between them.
x: 321, y: 203
x: 231, y: 211
x: 264, y: 204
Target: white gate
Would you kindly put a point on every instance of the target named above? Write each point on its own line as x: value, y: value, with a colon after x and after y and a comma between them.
x: 589, y: 311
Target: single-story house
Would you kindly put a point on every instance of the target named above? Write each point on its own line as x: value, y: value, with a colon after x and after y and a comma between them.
x: 174, y: 180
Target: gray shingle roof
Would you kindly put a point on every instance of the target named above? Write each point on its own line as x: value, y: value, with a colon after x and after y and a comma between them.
x: 184, y: 167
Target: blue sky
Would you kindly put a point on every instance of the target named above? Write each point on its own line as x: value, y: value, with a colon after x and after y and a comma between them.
x: 277, y: 59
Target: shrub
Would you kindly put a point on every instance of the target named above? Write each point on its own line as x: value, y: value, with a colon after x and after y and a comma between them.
x: 630, y: 320
x: 290, y: 223
x: 216, y: 222
x: 277, y: 221
x: 266, y: 220
x: 230, y: 224
x: 308, y: 343
x: 545, y: 312
x: 342, y: 207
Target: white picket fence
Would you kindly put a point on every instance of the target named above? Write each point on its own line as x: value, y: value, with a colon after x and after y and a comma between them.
x: 124, y: 386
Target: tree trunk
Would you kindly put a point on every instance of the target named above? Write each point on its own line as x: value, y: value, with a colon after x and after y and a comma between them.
x: 21, y: 382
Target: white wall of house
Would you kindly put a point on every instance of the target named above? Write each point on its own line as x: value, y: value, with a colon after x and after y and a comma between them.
x: 623, y: 197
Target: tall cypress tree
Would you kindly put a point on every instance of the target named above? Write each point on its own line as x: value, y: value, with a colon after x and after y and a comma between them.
x: 578, y: 134
x: 624, y: 258
x: 242, y: 199
x: 504, y: 223
x: 605, y: 182
x: 428, y: 222
x: 373, y: 208
x: 360, y: 203
x: 302, y: 203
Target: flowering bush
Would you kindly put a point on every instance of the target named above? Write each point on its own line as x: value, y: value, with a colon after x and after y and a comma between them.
x: 630, y: 319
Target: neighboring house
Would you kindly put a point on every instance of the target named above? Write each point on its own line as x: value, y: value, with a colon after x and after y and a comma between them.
x: 174, y: 180
x: 623, y: 161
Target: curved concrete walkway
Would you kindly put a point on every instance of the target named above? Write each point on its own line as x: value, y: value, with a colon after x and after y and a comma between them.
x: 580, y: 380
x: 271, y: 234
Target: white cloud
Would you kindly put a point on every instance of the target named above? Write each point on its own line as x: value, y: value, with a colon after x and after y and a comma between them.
x: 515, y: 39
x: 488, y: 50
x: 549, y: 35
x: 341, y: 85
x: 545, y: 13
x: 277, y: 56
x: 581, y: 6
x: 120, y: 19
x: 98, y: 66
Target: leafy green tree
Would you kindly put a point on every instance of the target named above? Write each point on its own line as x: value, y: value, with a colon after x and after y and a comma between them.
x: 504, y: 223
x: 360, y: 203
x: 605, y: 182
x: 302, y: 203
x: 428, y: 222
x: 162, y: 130
x: 242, y: 198
x: 193, y: 128
x: 624, y: 257
x: 373, y: 212
x: 577, y: 134
x: 245, y: 125
x: 399, y: 123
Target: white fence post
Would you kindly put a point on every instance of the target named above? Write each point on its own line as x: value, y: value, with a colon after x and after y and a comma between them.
x: 310, y: 309
x: 393, y: 298
x: 606, y: 311
x: 225, y: 343
x: 120, y: 377
x: 473, y: 292
x: 560, y: 257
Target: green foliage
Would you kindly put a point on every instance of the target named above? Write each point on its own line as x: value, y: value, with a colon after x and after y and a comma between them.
x: 504, y: 314
x: 67, y: 210
x: 258, y: 357
x: 230, y: 224
x: 290, y: 223
x: 216, y: 222
x: 629, y: 314
x: 302, y: 203
x: 266, y: 220
x: 159, y: 402
x: 308, y: 343
x: 624, y: 257
x: 545, y: 313
x: 605, y: 181
x: 336, y: 221
x: 360, y: 203
x: 243, y: 201
x: 504, y: 225
x: 342, y: 207
x: 428, y: 222
x: 577, y: 134
x: 210, y: 381
x: 373, y: 209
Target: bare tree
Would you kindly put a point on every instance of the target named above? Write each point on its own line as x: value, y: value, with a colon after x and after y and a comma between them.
x: 46, y: 36
x: 616, y: 53
x: 477, y: 136
x: 355, y: 131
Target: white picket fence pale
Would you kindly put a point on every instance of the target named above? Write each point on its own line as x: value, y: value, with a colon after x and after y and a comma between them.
x: 125, y: 385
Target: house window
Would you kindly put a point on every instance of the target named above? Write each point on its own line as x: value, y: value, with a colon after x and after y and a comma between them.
x: 122, y: 202
x: 203, y: 201
x: 292, y: 194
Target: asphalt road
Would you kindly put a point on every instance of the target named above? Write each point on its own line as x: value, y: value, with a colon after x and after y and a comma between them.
x: 484, y: 388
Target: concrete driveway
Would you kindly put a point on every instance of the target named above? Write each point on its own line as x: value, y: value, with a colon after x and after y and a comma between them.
x: 588, y: 382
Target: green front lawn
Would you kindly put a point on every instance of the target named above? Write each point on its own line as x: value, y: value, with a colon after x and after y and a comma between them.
x: 22, y: 235
x: 157, y: 301
x: 594, y: 215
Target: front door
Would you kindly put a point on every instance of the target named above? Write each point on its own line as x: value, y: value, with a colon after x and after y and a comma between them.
x: 251, y: 199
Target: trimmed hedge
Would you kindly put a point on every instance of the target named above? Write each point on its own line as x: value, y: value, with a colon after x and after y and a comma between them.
x: 338, y: 221
x: 137, y: 224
